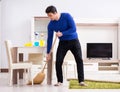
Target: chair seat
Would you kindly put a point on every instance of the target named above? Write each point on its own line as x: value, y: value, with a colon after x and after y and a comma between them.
x: 37, y: 66
x: 21, y: 65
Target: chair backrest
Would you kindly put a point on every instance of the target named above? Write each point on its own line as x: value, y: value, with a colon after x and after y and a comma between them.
x: 8, y: 45
x: 36, y: 58
x: 69, y: 57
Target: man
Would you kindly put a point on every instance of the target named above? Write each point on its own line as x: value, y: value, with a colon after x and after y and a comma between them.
x: 65, y: 28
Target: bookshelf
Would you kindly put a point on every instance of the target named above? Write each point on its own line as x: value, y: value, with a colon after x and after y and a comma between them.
x: 39, y: 25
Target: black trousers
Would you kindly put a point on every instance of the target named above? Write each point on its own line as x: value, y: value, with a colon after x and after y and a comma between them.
x: 75, y: 48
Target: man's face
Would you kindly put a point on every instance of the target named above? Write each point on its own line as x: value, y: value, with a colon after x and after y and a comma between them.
x: 52, y: 16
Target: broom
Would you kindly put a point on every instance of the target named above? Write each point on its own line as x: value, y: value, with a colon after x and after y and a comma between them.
x: 39, y: 78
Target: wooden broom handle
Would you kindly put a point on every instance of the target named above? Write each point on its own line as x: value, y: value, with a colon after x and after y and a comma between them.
x: 51, y: 50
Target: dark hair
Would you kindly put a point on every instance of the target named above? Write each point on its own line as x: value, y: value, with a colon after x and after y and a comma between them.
x: 51, y: 9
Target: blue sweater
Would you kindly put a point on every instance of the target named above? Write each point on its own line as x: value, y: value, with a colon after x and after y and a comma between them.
x: 66, y: 25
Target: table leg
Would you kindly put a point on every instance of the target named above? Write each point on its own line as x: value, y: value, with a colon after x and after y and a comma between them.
x: 49, y: 71
x: 21, y: 70
x: 14, y: 54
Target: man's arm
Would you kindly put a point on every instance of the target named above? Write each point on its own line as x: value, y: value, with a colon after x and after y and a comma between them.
x: 71, y: 26
x: 49, y: 40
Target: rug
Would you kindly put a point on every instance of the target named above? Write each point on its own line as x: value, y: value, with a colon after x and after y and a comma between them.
x: 93, y: 84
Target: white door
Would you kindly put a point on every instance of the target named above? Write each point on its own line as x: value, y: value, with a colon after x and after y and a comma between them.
x: 0, y: 34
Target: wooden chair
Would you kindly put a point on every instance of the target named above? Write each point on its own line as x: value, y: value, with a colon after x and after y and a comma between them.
x: 26, y: 66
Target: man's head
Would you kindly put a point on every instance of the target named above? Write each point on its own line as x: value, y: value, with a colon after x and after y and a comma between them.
x: 52, y: 12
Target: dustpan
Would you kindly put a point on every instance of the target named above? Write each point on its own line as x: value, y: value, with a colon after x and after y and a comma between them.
x: 39, y: 78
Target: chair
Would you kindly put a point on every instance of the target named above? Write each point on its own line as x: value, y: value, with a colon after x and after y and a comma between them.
x: 69, y: 61
x: 18, y: 65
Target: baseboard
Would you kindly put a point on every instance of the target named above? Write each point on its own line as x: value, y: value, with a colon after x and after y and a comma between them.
x: 4, y: 70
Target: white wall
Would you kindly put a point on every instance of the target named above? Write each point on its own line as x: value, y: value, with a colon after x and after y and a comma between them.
x: 97, y: 35
x: 16, y: 15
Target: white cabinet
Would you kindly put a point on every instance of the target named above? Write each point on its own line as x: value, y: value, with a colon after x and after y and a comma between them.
x: 91, y: 66
x: 101, y: 65
x: 39, y: 28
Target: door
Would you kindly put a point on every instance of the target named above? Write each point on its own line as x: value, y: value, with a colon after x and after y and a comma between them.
x: 0, y: 34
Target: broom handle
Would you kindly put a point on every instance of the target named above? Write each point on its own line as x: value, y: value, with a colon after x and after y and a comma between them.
x: 50, y: 52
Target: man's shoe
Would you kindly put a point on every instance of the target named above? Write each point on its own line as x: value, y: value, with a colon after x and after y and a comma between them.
x: 58, y: 84
x: 83, y: 84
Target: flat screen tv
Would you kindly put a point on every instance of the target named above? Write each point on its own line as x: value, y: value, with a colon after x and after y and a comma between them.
x: 99, y: 50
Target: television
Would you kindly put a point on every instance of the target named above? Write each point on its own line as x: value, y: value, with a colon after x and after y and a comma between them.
x: 99, y: 50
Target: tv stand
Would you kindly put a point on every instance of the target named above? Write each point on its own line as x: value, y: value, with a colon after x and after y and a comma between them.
x: 102, y: 64
x: 99, y: 58
x: 106, y: 59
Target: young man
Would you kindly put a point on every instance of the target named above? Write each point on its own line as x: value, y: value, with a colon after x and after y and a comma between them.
x: 65, y: 28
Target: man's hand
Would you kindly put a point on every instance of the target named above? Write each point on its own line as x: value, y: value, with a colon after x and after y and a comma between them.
x: 59, y: 34
x: 48, y: 57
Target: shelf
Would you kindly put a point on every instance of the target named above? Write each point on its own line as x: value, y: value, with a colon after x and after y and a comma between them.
x: 42, y: 17
x: 112, y: 65
x: 107, y: 68
x: 98, y: 24
x: 39, y: 24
